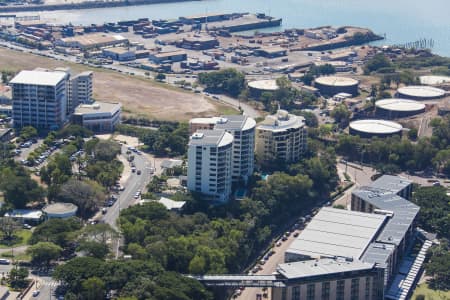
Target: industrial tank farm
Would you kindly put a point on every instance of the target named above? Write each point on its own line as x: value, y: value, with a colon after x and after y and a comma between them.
x: 398, y: 108
x: 420, y: 92
x: 332, y: 85
x: 375, y: 128
x: 257, y: 87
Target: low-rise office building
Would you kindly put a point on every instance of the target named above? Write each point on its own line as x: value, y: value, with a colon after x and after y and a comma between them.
x: 98, y: 117
x: 281, y: 137
x: 209, y: 164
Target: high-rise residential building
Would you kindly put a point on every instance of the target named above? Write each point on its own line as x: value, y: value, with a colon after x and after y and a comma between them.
x: 281, y: 137
x: 79, y: 90
x: 39, y: 99
x: 243, y: 130
x: 209, y: 164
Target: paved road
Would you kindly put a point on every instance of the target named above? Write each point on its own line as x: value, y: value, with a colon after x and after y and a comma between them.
x: 132, y: 185
x: 248, y: 109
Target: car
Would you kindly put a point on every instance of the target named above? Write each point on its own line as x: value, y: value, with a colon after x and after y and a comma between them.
x: 284, y: 238
x: 110, y: 203
x: 94, y: 222
x: 27, y: 226
x: 296, y: 234
x: 278, y: 244
x: 133, y: 169
x: 104, y: 210
x: 138, y: 172
x: 4, y: 261
x: 36, y: 293
x: 136, y: 196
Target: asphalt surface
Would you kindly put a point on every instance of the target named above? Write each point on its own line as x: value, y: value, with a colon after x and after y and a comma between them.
x: 132, y: 185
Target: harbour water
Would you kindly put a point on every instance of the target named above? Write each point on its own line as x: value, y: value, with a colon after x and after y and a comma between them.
x: 402, y: 21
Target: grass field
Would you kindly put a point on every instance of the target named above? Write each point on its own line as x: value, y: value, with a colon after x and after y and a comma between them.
x: 22, y: 237
x: 423, y: 289
x: 139, y: 96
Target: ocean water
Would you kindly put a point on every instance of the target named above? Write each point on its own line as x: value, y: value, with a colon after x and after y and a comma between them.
x: 401, y: 21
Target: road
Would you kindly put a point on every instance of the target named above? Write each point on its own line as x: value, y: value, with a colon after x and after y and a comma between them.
x: 132, y: 184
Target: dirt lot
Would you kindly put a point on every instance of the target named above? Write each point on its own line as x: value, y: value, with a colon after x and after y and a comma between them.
x: 139, y: 96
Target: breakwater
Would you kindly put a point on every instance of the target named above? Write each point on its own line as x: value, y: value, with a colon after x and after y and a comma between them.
x: 83, y: 5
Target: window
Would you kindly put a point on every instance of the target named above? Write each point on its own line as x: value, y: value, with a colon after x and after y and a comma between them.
x: 367, y: 289
x: 340, y: 288
x: 325, y: 291
x: 354, y: 293
x: 310, y: 291
x: 296, y: 293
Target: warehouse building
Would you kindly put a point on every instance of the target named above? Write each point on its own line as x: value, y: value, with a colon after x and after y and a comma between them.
x: 199, y: 43
x: 168, y: 57
x: 119, y: 54
x: 92, y: 40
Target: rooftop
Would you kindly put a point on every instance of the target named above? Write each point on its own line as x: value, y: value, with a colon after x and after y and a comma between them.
x: 336, y: 81
x: 93, y: 39
x: 376, y: 126
x: 336, y: 232
x: 281, y: 121
x: 39, y: 78
x: 171, y: 163
x: 235, y: 122
x: 97, y: 107
x: 169, y: 53
x: 266, y: 85
x: 391, y: 183
x: 25, y: 214
x: 400, y: 104
x: 378, y: 253
x: 421, y: 91
x: 171, y: 204
x: 60, y: 208
x: 215, y: 137
x: 404, y: 212
x: 118, y: 50
x: 311, y: 268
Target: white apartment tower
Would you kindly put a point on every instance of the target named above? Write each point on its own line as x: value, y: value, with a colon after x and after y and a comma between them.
x: 243, y: 130
x: 281, y: 137
x: 39, y: 99
x: 209, y: 164
x: 80, y: 90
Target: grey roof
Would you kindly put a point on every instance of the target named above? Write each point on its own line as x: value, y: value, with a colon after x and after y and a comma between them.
x: 310, y: 268
x: 39, y: 78
x: 391, y: 183
x: 337, y: 232
x: 97, y: 107
x: 171, y: 163
x: 378, y: 253
x: 235, y: 122
x: 404, y: 212
x: 210, y: 137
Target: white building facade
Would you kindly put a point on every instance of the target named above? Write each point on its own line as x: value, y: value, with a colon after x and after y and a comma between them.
x: 39, y: 99
x: 281, y: 137
x: 80, y: 90
x: 209, y: 164
x: 98, y: 117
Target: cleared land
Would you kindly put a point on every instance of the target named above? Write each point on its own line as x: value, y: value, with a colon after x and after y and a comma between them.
x: 139, y: 96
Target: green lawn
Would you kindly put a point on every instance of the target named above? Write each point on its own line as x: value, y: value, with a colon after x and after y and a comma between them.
x: 423, y: 289
x: 22, y: 237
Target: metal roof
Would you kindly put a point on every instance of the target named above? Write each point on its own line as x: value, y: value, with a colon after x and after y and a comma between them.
x: 235, y: 122
x: 376, y: 126
x: 391, y: 183
x: 378, y: 253
x: 404, y: 212
x: 337, y: 232
x: 310, y: 268
x: 211, y: 138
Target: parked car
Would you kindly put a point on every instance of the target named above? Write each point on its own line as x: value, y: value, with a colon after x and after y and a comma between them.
x: 27, y: 226
x: 4, y: 261
x: 36, y: 293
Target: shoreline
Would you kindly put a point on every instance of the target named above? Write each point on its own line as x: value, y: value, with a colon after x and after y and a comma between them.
x: 83, y: 5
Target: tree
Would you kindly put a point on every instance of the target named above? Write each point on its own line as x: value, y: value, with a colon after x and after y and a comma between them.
x: 18, y: 278
x: 93, y: 249
x: 376, y: 63
x: 93, y: 288
x: 341, y: 115
x: 8, y: 226
x: 228, y: 81
x: 61, y: 232
x: 18, y: 187
x: 87, y: 195
x: 28, y: 132
x: 412, y: 134
x: 44, y: 252
x: 439, y: 268
x: 106, y: 150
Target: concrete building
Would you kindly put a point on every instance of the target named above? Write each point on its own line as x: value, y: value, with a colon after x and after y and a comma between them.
x: 209, y: 164
x: 243, y: 130
x: 202, y: 124
x: 60, y: 210
x: 98, y: 116
x: 39, y: 99
x: 329, y: 279
x: 119, y: 54
x: 281, y: 137
x: 5, y: 110
x: 80, y: 90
